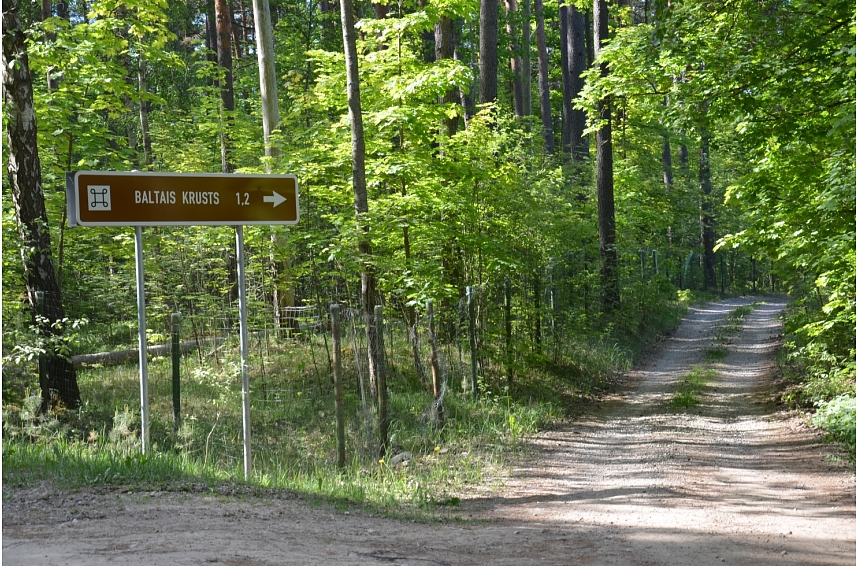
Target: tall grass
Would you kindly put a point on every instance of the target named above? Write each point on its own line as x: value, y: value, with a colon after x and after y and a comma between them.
x: 292, y: 417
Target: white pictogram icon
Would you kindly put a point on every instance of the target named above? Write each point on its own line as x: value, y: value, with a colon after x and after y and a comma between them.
x: 98, y: 197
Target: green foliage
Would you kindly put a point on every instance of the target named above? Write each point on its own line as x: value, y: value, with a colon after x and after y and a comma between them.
x: 838, y: 417
x: 687, y: 394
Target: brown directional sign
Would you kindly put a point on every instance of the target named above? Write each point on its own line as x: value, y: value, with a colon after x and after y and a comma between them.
x: 102, y: 198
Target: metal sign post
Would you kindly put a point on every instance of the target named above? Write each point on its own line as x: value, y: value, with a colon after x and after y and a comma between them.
x: 243, y: 346
x: 141, y: 340
x: 136, y: 198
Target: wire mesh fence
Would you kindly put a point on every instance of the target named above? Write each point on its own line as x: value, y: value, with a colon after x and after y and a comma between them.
x: 478, y: 342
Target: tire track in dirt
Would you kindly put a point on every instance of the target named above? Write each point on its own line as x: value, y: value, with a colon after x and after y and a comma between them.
x: 732, y: 480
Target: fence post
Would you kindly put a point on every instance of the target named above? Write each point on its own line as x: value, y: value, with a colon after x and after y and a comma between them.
x: 338, y: 386
x: 473, y: 341
x: 174, y: 321
x: 509, y: 361
x: 381, y: 385
x: 43, y: 358
x: 437, y: 413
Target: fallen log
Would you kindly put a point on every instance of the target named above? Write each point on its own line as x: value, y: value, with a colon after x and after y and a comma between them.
x: 120, y: 357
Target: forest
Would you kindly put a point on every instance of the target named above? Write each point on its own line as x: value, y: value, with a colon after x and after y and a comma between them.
x: 510, y: 202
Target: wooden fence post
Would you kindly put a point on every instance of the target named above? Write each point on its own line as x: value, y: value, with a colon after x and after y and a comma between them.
x: 473, y: 339
x: 381, y: 385
x: 176, y: 357
x: 43, y: 358
x: 438, y: 415
x: 509, y: 352
x: 338, y: 386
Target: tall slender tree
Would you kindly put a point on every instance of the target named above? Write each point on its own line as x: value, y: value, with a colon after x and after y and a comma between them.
x: 566, y: 97
x: 706, y: 217
x: 577, y: 62
x: 543, y: 79
x: 516, y: 60
x: 488, y: 50
x: 25, y: 180
x: 223, y: 27
x: 359, y: 188
x: 609, y: 280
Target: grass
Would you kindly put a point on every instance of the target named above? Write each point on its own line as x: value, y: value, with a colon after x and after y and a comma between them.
x: 688, y: 392
x: 292, y: 418
x: 293, y: 438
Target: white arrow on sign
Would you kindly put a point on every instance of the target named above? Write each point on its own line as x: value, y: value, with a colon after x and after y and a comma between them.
x: 276, y: 199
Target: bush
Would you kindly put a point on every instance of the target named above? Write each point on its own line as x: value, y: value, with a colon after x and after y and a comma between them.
x: 838, y: 418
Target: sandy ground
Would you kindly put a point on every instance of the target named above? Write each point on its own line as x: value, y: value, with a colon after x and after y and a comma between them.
x: 734, y: 480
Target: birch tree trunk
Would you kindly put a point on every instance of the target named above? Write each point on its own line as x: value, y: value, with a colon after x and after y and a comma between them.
x: 25, y: 180
x: 268, y: 80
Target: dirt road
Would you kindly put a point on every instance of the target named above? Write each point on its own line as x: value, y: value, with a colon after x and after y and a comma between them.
x: 733, y: 480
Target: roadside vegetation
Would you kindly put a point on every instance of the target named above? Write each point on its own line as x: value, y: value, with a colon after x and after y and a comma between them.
x: 293, y: 437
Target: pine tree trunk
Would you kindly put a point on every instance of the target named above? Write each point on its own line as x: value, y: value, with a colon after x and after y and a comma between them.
x: 223, y: 27
x: 706, y: 217
x: 543, y: 79
x: 444, y: 49
x: 566, y: 107
x: 527, y: 62
x: 577, y: 60
x: 489, y: 51
x: 609, y: 283
x: 25, y: 180
x: 467, y: 99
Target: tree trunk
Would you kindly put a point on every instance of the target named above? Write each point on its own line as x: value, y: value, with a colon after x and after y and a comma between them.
x: 566, y: 108
x: 237, y: 32
x: 142, y: 108
x: 706, y: 218
x: 444, y: 40
x: 268, y: 80
x: 25, y: 180
x: 48, y: 12
x: 223, y: 26
x: 488, y: 50
x: 211, y: 32
x: 428, y: 40
x: 577, y: 60
x: 359, y: 187
x: 467, y: 99
x: 609, y: 283
x: 516, y: 59
x: 282, y: 295
x: 543, y: 79
x: 668, y: 180
x: 527, y: 63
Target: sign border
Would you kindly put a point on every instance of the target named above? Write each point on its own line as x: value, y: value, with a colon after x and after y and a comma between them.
x: 73, y: 193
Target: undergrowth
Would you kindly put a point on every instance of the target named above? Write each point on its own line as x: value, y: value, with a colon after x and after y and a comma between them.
x: 292, y: 420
